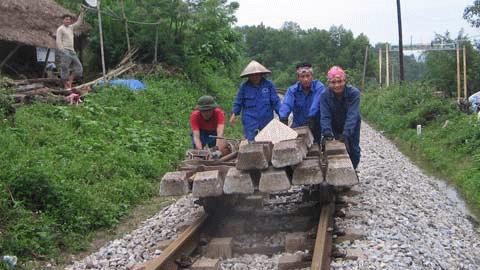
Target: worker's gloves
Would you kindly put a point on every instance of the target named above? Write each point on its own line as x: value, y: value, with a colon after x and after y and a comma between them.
x: 284, y: 121
x: 325, y: 138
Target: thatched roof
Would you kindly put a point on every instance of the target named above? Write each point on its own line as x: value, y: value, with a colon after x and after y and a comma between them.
x: 31, y: 22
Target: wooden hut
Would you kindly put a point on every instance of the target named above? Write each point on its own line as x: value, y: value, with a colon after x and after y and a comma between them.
x: 26, y: 25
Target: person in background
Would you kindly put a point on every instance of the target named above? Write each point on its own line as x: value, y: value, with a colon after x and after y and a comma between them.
x: 65, y: 48
x: 207, y: 119
x: 303, y: 99
x: 340, y: 113
x: 256, y: 99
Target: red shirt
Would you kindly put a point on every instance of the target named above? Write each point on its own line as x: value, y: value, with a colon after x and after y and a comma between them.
x: 197, y: 122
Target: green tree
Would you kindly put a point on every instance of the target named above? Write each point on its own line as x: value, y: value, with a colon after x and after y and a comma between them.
x: 472, y: 14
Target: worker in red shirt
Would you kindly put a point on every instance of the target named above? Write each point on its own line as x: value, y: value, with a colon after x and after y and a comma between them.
x: 207, y: 119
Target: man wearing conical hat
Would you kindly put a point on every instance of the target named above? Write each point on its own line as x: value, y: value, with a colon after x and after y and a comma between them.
x: 256, y: 99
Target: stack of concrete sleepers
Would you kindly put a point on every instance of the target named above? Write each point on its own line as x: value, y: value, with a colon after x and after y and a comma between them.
x: 266, y: 167
x: 274, y: 163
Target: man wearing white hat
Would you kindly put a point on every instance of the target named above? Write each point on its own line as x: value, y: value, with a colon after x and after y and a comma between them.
x: 256, y: 99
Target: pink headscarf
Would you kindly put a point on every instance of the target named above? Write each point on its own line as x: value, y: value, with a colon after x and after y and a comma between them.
x: 336, y: 71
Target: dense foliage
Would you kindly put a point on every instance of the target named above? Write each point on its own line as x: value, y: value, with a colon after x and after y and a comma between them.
x: 450, y: 139
x: 191, y: 34
x: 281, y: 49
x: 472, y: 14
x: 441, y: 66
x: 69, y: 170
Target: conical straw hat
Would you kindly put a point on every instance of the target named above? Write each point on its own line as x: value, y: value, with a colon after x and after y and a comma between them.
x: 275, y: 132
x: 254, y: 68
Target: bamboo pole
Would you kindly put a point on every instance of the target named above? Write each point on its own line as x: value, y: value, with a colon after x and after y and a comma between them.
x: 465, y: 92
x: 101, y: 37
x: 364, y: 67
x: 380, y: 66
x: 387, y: 66
x: 126, y: 24
x: 458, y: 73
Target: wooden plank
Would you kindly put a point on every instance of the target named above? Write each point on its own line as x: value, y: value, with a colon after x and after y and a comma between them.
x: 323, y: 242
x: 10, y: 54
x: 183, y: 245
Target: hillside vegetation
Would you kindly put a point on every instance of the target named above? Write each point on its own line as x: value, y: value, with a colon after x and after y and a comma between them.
x: 450, y: 139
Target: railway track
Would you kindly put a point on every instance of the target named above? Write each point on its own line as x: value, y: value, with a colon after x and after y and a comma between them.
x: 308, y: 225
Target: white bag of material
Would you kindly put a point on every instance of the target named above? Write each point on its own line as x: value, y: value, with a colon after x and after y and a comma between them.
x: 275, y: 132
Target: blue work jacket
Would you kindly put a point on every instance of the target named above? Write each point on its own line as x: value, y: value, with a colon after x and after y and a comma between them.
x: 257, y: 104
x: 300, y: 104
x: 340, y: 116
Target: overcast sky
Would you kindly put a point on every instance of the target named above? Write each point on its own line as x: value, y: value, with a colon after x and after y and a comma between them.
x: 377, y: 19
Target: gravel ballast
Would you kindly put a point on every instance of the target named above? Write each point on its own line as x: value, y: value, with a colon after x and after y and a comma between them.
x: 409, y: 222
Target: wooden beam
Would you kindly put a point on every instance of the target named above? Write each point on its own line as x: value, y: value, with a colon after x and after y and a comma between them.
x: 323, y: 241
x: 465, y: 92
x: 364, y: 67
x: 458, y: 73
x: 380, y: 66
x: 387, y: 66
x: 126, y: 24
x: 46, y: 62
x: 10, y: 54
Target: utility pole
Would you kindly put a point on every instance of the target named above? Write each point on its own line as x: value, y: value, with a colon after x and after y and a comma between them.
x: 400, y: 41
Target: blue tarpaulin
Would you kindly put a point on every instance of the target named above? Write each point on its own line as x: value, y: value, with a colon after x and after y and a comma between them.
x: 131, y: 84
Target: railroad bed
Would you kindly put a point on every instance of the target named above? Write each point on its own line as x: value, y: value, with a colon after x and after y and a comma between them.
x: 303, y: 177
x: 294, y: 227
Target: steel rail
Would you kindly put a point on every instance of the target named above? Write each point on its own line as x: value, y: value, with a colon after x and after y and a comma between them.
x: 323, y: 241
x: 184, y: 245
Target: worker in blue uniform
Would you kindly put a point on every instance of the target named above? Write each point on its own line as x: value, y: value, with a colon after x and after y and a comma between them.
x: 256, y: 99
x: 340, y: 113
x: 300, y: 98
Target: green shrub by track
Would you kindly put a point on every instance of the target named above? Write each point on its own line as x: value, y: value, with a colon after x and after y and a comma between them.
x: 448, y: 149
x: 67, y: 171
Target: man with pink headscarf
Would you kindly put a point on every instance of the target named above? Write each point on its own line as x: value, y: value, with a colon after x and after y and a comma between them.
x: 340, y: 113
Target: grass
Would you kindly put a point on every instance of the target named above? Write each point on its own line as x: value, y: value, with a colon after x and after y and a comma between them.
x: 449, y: 143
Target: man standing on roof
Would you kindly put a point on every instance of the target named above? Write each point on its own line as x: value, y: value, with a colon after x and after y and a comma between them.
x: 66, y: 50
x: 340, y: 113
x: 257, y: 99
x: 207, y: 119
x: 303, y: 99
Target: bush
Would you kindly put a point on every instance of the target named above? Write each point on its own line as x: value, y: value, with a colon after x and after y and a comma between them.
x: 449, y: 149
